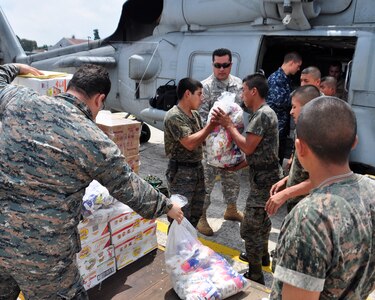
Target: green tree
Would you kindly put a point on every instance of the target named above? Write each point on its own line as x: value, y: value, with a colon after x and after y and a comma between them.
x: 96, y: 34
x: 28, y: 45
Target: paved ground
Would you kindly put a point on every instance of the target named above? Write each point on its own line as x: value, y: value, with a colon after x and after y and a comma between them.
x: 154, y: 162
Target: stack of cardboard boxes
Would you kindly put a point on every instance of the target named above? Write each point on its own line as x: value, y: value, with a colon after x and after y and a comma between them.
x: 111, y: 239
x: 96, y: 260
x: 124, y: 132
x: 116, y: 236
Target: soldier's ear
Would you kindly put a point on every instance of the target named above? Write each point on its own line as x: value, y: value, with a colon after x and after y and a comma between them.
x: 301, y: 148
x: 355, y: 142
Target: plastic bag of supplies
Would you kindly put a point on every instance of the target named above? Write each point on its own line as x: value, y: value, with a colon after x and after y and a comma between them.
x: 196, y: 271
x: 221, y: 151
x: 96, y: 196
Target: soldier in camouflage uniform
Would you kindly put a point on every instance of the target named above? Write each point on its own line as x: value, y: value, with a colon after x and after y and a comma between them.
x: 326, y: 247
x: 50, y: 151
x: 260, y: 146
x: 296, y: 185
x: 221, y: 80
x: 183, y: 138
x: 278, y: 97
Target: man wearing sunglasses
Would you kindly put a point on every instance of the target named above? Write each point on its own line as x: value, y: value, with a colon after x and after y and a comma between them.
x: 219, y: 81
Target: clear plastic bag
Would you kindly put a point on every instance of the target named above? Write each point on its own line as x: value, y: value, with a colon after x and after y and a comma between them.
x: 221, y: 151
x: 196, y: 271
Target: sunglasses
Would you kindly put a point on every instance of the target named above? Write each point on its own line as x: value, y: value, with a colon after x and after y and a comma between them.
x: 224, y: 65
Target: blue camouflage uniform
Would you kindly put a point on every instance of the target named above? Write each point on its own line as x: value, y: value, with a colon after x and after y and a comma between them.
x: 327, y: 242
x: 50, y: 150
x: 279, y: 100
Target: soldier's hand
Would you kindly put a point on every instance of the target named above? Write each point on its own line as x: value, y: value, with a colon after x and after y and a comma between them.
x: 220, y: 116
x: 278, y: 186
x: 26, y: 69
x: 176, y: 213
x: 274, y: 203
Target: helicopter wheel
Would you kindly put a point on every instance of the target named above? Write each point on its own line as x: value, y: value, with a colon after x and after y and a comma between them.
x: 145, y: 133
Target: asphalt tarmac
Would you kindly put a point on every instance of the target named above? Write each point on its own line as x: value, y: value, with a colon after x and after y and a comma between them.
x: 226, y: 239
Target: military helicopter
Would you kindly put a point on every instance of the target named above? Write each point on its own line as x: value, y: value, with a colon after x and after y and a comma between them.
x: 159, y: 40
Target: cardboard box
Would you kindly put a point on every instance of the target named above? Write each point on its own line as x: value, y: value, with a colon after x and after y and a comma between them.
x: 134, y: 162
x: 103, y: 271
x: 51, y: 83
x: 89, y: 230
x: 124, y: 132
x: 121, y: 216
x: 87, y: 264
x: 136, y: 246
x: 130, y: 228
x: 95, y: 246
x: 123, y: 233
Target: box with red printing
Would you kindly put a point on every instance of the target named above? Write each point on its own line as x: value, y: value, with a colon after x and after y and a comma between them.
x: 136, y: 246
x: 90, y: 230
x: 51, y: 83
x: 87, y: 263
x: 123, y: 233
x: 124, y: 132
x: 103, y: 271
x: 121, y: 216
x: 133, y: 162
x: 95, y: 246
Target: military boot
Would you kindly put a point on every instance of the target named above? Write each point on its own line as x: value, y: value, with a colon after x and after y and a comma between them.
x: 232, y: 213
x: 203, y: 227
x: 255, y: 274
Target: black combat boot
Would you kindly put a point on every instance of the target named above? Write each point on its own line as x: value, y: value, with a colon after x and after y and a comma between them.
x: 255, y: 274
x: 265, y: 259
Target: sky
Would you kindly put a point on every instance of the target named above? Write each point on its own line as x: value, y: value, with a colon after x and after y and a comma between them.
x: 46, y: 22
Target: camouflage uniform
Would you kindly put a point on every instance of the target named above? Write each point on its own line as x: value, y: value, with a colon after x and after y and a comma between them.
x: 50, y: 151
x: 327, y: 242
x: 297, y: 174
x: 185, y: 171
x: 264, y: 170
x: 212, y: 89
x: 278, y: 99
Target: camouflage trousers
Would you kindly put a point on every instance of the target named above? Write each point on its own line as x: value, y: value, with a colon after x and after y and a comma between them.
x: 40, y: 281
x: 256, y: 225
x: 255, y: 230
x: 188, y: 182
x: 230, y: 182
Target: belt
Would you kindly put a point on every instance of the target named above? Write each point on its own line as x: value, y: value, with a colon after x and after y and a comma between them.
x: 265, y: 167
x: 185, y: 164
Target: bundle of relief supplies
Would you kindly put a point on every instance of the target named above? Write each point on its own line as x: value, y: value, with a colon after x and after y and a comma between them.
x: 221, y: 151
x: 96, y: 197
x: 196, y: 271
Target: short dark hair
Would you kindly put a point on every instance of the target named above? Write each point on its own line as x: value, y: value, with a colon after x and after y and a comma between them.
x: 91, y: 79
x: 222, y: 52
x: 259, y: 81
x: 305, y: 93
x: 313, y: 71
x: 187, y: 83
x: 330, y: 81
x: 336, y: 63
x: 292, y: 56
x: 328, y: 126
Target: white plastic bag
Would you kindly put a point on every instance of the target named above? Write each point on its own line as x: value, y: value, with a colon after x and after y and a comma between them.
x: 96, y: 196
x: 221, y: 151
x: 196, y: 271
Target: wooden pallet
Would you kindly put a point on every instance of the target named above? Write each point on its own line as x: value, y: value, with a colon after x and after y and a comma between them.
x: 147, y: 279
